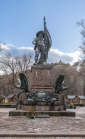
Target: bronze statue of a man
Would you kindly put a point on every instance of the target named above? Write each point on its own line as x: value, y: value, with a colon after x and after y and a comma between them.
x: 39, y: 47
x: 42, y: 44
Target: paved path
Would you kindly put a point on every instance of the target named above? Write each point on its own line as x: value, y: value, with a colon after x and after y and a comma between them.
x: 80, y: 110
x: 55, y: 126
x: 6, y: 109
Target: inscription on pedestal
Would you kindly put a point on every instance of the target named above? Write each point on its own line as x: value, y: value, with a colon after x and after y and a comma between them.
x: 41, y: 78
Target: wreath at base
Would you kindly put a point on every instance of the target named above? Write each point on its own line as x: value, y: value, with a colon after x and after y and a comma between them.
x: 31, y: 114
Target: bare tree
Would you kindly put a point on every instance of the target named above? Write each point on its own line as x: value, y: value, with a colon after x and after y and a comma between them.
x: 82, y: 24
x: 12, y: 65
x: 22, y: 63
x: 82, y: 49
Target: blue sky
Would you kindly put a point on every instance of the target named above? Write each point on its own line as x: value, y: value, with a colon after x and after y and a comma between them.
x: 20, y: 20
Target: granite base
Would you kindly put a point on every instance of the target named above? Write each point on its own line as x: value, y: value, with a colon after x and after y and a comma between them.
x: 41, y: 108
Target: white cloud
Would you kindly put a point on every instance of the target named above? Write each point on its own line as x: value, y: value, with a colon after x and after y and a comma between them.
x: 54, y: 55
x: 30, y: 48
x: 10, y: 45
x: 76, y: 56
x: 4, y: 46
x: 57, y: 51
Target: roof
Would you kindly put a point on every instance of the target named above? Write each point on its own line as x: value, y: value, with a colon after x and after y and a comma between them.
x: 72, y: 97
x: 3, y: 96
x: 10, y: 96
x: 81, y: 97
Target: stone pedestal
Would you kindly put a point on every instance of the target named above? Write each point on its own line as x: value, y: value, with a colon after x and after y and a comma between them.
x: 41, y: 81
x: 41, y: 78
x: 41, y: 108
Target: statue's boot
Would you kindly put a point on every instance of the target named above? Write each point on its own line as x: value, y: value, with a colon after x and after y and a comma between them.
x: 35, y: 64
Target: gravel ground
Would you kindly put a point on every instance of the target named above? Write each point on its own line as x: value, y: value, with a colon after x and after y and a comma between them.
x: 43, y: 125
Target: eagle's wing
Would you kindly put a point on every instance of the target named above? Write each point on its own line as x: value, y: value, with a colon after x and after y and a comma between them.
x: 59, y: 81
x: 23, y: 82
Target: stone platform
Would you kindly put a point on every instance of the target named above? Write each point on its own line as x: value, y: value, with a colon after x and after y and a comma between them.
x: 54, y: 127
x: 41, y: 108
x: 50, y: 113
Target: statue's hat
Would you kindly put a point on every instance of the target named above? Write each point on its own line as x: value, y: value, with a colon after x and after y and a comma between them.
x: 40, y: 32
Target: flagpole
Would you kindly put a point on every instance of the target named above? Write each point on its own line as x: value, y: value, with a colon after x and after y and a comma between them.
x: 44, y: 24
x: 45, y: 32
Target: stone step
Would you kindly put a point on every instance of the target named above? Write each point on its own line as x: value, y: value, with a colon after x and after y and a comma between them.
x: 50, y: 113
x: 42, y: 116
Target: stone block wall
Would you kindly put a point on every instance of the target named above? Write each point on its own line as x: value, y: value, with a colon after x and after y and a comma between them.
x: 41, y: 78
